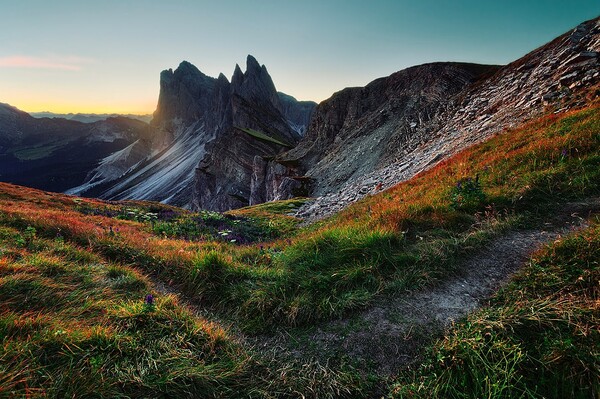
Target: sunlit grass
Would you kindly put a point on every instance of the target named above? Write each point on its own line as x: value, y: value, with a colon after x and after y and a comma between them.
x: 81, y: 329
x: 75, y: 325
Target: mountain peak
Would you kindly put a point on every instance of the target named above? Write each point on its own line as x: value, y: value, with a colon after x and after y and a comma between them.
x: 238, y: 76
x: 252, y: 66
x: 187, y: 68
x: 184, y: 93
x: 222, y: 78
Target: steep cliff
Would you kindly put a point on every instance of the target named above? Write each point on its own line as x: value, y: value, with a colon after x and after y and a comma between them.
x: 207, y: 133
x: 253, y: 126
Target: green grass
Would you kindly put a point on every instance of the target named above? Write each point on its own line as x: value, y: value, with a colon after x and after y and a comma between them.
x: 264, y: 137
x: 82, y: 330
x: 73, y: 325
x: 538, y: 337
x: 70, y: 280
x: 38, y: 152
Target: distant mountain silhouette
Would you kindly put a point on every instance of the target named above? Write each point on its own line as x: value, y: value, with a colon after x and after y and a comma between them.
x: 90, y: 118
x: 208, y: 133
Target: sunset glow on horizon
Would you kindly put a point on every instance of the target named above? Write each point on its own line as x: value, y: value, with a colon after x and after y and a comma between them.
x: 90, y: 108
x: 106, y: 57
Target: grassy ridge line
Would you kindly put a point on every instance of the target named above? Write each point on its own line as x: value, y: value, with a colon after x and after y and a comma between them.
x: 539, y: 336
x: 551, y: 159
x: 264, y: 137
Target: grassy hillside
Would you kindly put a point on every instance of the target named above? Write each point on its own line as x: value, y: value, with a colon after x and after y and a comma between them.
x: 74, y: 274
x: 538, y: 337
x: 73, y: 324
x: 264, y: 137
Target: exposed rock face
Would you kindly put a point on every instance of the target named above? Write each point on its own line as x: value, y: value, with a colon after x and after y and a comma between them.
x: 297, y: 113
x: 208, y: 133
x: 223, y: 178
x: 358, y: 129
x: 184, y: 96
x: 55, y: 154
x: 363, y: 140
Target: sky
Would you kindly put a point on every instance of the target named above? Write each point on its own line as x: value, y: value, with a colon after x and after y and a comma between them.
x: 106, y: 56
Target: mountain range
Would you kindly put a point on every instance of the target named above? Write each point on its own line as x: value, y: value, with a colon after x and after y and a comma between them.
x: 463, y: 265
x: 220, y: 144
x: 56, y: 154
x: 89, y: 118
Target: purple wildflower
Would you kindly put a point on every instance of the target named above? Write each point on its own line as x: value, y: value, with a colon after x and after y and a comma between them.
x: 149, y: 300
x: 564, y: 153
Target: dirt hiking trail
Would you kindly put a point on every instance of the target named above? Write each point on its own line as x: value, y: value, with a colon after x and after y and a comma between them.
x: 391, y: 333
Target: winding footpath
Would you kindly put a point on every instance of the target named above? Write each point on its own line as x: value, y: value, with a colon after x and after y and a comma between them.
x: 392, y: 332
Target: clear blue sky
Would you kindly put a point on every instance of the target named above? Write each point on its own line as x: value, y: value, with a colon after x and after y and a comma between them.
x: 106, y: 55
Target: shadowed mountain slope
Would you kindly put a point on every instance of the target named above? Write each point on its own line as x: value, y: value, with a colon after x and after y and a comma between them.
x: 56, y: 154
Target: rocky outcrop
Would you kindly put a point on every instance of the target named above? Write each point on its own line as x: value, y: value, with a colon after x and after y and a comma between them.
x: 223, y: 178
x: 358, y: 129
x: 297, y: 113
x: 207, y: 135
x: 553, y: 78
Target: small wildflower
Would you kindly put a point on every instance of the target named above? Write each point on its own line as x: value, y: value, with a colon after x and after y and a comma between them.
x: 149, y: 303
x: 149, y: 299
x: 564, y: 153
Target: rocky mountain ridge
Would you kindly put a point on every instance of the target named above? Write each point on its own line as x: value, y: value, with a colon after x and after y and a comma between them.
x: 220, y: 144
x: 358, y: 129
x: 207, y: 133
x: 553, y: 78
